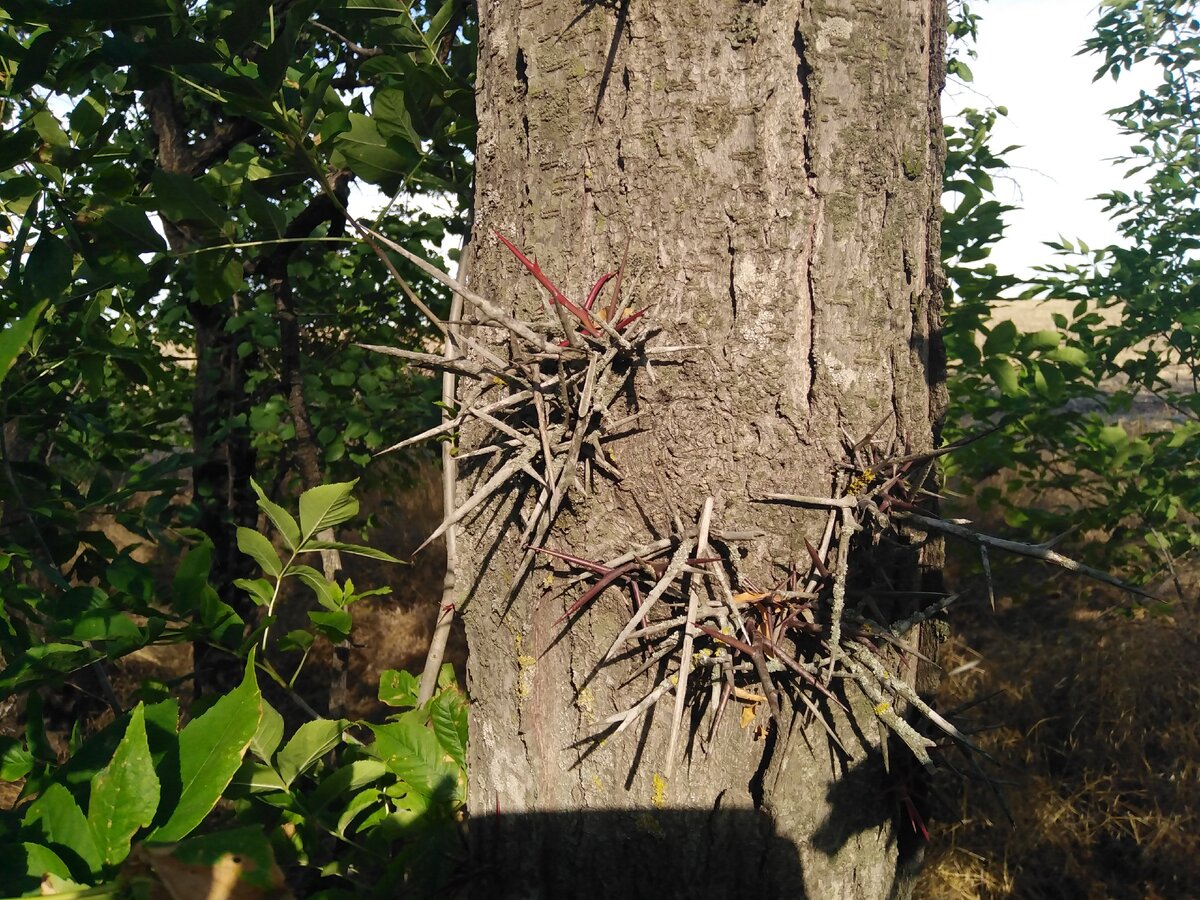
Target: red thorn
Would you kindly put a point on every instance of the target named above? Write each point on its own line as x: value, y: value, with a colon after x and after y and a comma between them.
x: 556, y: 295
x: 591, y: 300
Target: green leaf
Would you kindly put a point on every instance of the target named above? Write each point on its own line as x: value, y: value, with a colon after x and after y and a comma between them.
x: 260, y: 590
x: 26, y: 865
x: 448, y: 713
x: 325, y: 506
x: 1071, y: 356
x: 353, y: 549
x: 398, y: 688
x: 15, y: 337
x: 372, y: 157
x: 411, y: 750
x: 180, y: 198
x: 320, y: 585
x: 249, y: 845
x: 255, y: 778
x: 210, y: 751
x: 345, y: 780
x: 334, y: 625
x: 125, y: 795
x: 1113, y: 436
x: 56, y: 819
x: 269, y: 734
x: 310, y: 742
x: 1004, y: 374
x: 15, y: 761
x: 1041, y: 340
x: 255, y: 545
x: 135, y: 225
x: 50, y: 269
x: 391, y: 116
x: 279, y: 516
x: 1001, y: 339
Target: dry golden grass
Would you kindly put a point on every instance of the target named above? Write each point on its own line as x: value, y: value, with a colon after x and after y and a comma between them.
x: 1096, y: 717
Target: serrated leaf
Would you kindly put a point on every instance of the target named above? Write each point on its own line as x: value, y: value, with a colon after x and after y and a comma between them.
x: 311, y: 741
x: 259, y: 548
x: 125, y: 795
x: 59, y: 822
x: 412, y: 751
x: 325, y: 506
x: 448, y: 713
x: 281, y: 518
x: 210, y: 751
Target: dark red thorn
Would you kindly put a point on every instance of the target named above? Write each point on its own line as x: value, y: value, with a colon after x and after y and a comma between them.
x: 816, y: 558
x: 596, y: 590
x: 615, y: 303
x: 573, y: 560
x: 596, y: 288
x: 557, y: 296
x: 629, y: 320
x: 726, y: 639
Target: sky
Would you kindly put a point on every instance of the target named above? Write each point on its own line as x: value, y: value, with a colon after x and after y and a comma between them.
x: 1026, y: 62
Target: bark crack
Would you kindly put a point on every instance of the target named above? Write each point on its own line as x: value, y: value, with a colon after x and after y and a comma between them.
x: 733, y: 302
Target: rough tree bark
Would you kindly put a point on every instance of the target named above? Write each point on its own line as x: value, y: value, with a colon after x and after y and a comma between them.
x: 775, y: 167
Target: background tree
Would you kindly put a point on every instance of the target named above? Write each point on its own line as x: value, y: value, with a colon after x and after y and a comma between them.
x: 775, y: 170
x: 165, y: 374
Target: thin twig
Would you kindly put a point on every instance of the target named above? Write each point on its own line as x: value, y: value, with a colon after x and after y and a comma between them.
x: 1034, y: 551
x: 685, y: 656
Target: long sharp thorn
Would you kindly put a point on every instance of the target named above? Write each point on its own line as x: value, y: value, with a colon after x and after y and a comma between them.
x: 590, y: 303
x: 596, y: 590
x: 615, y: 303
x: 630, y: 319
x: 816, y: 558
x: 556, y: 295
x: 573, y: 560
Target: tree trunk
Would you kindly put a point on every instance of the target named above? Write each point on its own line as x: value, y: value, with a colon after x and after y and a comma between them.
x: 775, y: 167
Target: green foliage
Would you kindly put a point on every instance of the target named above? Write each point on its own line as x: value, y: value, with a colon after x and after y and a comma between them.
x: 321, y: 508
x: 83, y: 815
x: 1130, y: 344
x: 363, y: 806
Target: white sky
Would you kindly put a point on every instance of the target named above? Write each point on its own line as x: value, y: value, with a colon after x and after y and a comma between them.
x: 1027, y: 62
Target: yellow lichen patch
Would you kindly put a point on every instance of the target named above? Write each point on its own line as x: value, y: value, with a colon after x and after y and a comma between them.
x: 659, y: 798
x: 861, y: 482
x: 586, y: 704
x: 748, y: 713
x: 526, y: 667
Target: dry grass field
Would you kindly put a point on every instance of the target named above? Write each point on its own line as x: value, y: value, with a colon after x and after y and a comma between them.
x: 1092, y: 714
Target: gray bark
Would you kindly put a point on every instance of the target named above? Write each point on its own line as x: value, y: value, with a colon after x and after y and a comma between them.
x: 776, y: 168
